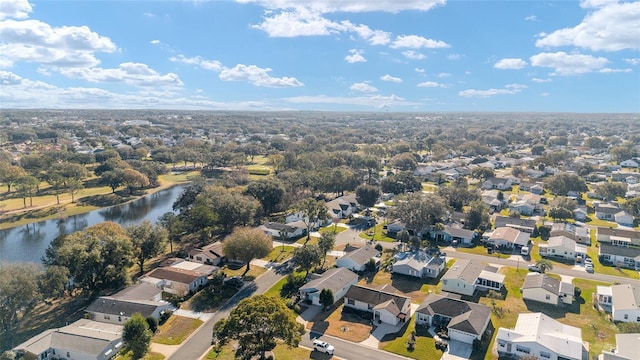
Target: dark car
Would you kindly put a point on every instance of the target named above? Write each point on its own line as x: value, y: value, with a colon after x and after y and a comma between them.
x: 235, y: 281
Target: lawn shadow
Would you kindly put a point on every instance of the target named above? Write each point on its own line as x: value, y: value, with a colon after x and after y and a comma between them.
x: 400, y: 333
x: 556, y: 312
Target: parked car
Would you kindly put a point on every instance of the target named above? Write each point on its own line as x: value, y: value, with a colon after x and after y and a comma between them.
x: 323, y: 347
x: 588, y: 261
x: 588, y: 268
x: 235, y: 281
x: 535, y: 268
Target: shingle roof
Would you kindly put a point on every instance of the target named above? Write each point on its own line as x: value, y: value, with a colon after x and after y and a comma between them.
x: 465, y: 316
x: 375, y: 297
x: 465, y: 270
x: 139, y: 291
x: 608, y: 249
x: 362, y: 255
x: 625, y: 297
x: 177, y: 275
x: 334, y: 279
x: 631, y: 234
x: 534, y: 281
x: 112, y: 306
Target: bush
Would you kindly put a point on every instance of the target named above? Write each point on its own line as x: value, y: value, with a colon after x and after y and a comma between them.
x: 165, y: 316
x: 153, y: 324
x: 378, y: 247
x: 259, y: 172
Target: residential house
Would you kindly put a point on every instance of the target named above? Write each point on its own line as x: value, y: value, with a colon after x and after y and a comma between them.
x: 276, y: 230
x: 465, y: 321
x: 623, y: 256
x: 623, y: 218
x: 626, y: 348
x: 467, y: 276
x: 579, y: 234
x: 540, y: 336
x: 338, y: 280
x: 117, y: 311
x: 497, y: 183
x: 418, y: 264
x: 603, y: 298
x: 83, y: 339
x: 490, y: 198
x: 139, y: 291
x: 618, y: 237
x: 455, y: 235
x: 394, y: 228
x: 580, y: 213
x: 624, y: 176
x: 625, y: 303
x: 545, y: 289
x: 508, y: 237
x: 525, y: 225
x: 343, y: 206
x: 176, y: 281
x: 385, y: 306
x: 534, y: 188
x: 630, y: 163
x: 528, y: 204
x: 212, y: 254
x: 562, y: 247
x: 358, y: 259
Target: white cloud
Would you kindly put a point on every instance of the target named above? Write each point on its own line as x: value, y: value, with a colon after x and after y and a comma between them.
x: 587, y: 4
x: 454, y: 56
x: 155, y: 42
x: 512, y: 64
x: 149, y: 15
x: 611, y: 27
x: 373, y: 37
x: 417, y: 42
x: 531, y: 18
x: 16, y: 9
x: 510, y: 89
x: 257, y: 76
x: 444, y: 75
x: 431, y: 84
x: 632, y: 61
x: 130, y: 73
x: 373, y: 101
x: 568, y: 64
x: 330, y: 6
x: 537, y: 80
x: 355, y: 57
x: 610, y: 70
x: 419, y: 70
x: 544, y: 94
x: 390, y: 78
x: 35, y: 41
x: 413, y: 55
x: 363, y: 87
x: 299, y: 22
x: 213, y: 65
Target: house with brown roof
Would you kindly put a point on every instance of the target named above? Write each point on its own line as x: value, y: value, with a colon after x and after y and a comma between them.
x: 385, y: 306
x: 212, y: 254
x: 175, y: 280
x: 465, y: 321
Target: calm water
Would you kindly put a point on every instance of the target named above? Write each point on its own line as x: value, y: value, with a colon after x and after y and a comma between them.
x: 27, y: 243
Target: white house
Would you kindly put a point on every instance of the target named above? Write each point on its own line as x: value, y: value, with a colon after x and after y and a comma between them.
x: 117, y: 311
x: 581, y: 235
x: 467, y: 276
x: 626, y: 348
x: 357, y: 260
x: 385, y: 306
x: 539, y: 335
x: 452, y: 234
x: 176, y: 281
x: 524, y: 225
x: 275, y: 230
x: 606, y: 211
x: 211, y: 254
x: 545, y: 289
x: 338, y: 280
x: 83, y: 340
x: 343, y: 206
x: 629, y: 164
x: 625, y: 303
x: 623, y: 218
x: 465, y: 321
x: 418, y: 264
x: 509, y: 237
x: 497, y: 183
x: 619, y: 237
x: 628, y: 257
x: 562, y: 247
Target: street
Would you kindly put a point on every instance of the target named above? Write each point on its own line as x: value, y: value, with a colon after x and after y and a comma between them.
x: 349, y: 350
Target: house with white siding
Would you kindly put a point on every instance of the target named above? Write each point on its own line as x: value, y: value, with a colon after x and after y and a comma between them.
x: 540, y: 336
x: 455, y: 235
x: 338, y: 280
x: 465, y: 321
x: 467, y: 276
x: 545, y: 289
x: 385, y: 306
x: 625, y: 303
x: 623, y: 256
x: 418, y: 264
x: 117, y: 311
x: 358, y: 259
x: 579, y: 234
x: 562, y: 247
x: 626, y: 348
x: 508, y: 237
x: 616, y: 236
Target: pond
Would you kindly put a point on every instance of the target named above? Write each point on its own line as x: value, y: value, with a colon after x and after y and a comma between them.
x: 27, y: 243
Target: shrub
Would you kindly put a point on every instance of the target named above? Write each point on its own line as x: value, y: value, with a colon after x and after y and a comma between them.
x: 153, y: 324
x: 378, y: 247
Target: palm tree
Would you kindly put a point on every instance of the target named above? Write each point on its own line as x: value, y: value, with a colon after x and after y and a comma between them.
x: 544, y: 265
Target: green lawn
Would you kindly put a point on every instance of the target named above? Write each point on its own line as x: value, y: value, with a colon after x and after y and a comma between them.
x: 280, y: 254
x: 397, y: 343
x: 148, y: 356
x: 380, y: 234
x: 598, y: 268
x: 281, y: 352
x: 332, y: 229
x: 176, y: 330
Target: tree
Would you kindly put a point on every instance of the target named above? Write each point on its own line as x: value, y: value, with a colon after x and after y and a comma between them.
x: 53, y: 281
x: 560, y: 213
x: 307, y: 256
x: 563, y: 183
x: 476, y: 215
x: 404, y: 237
x: 18, y: 295
x: 73, y: 187
x: 246, y: 244
x: 258, y: 324
x: 564, y: 202
x: 26, y: 187
x: 269, y: 192
x: 113, y: 179
x: 610, y: 191
x: 134, y: 179
x: 622, y: 152
x: 229, y: 208
x: 544, y: 265
x: 326, y: 298
x: 9, y: 174
x: 148, y: 241
x: 367, y: 195
x: 312, y: 211
x: 136, y: 335
x: 7, y: 355
x: 326, y: 243
x: 537, y: 149
x: 632, y: 205
x: 400, y: 183
x: 482, y: 173
x: 421, y: 210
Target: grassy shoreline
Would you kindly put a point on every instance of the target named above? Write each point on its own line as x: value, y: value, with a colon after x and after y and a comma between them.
x: 15, y: 218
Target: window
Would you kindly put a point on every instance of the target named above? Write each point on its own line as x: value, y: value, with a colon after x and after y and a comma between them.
x: 626, y: 316
x: 107, y: 317
x: 351, y: 302
x: 522, y: 349
x: 547, y: 297
x: 544, y: 354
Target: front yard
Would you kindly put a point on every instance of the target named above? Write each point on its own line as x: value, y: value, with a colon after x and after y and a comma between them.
x: 424, y: 348
x: 346, y: 326
x: 176, y: 330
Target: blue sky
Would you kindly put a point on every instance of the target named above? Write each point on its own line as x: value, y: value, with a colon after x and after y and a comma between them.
x: 337, y: 55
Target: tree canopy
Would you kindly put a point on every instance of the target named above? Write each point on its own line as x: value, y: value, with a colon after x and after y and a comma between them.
x: 19, y: 294
x: 136, y: 335
x: 246, y: 244
x: 563, y: 183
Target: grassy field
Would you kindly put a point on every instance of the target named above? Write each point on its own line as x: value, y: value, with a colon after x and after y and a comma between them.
x: 252, y: 274
x: 424, y: 347
x: 380, y: 234
x: 280, y: 254
x: 176, y: 330
x: 148, y: 356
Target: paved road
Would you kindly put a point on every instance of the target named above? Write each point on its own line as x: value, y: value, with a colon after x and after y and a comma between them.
x: 200, y: 341
x: 349, y: 350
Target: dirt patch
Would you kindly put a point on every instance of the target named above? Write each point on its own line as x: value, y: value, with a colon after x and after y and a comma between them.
x: 346, y: 326
x: 176, y: 330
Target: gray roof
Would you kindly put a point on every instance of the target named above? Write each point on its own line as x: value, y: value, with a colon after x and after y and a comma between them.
x: 279, y: 226
x: 461, y: 233
x: 626, y: 233
x: 362, y: 255
x: 464, y: 269
x: 465, y: 316
x: 505, y: 220
x: 112, y: 306
x: 375, y: 296
x: 176, y: 275
x: 139, y: 291
x: 334, y: 279
x: 608, y: 249
x: 625, y: 297
x: 627, y: 346
x: 535, y: 280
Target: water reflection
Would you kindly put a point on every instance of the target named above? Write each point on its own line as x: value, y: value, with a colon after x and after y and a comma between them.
x: 28, y: 242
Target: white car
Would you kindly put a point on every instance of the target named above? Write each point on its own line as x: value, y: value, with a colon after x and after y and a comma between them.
x: 323, y: 347
x: 588, y: 261
x: 588, y: 268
